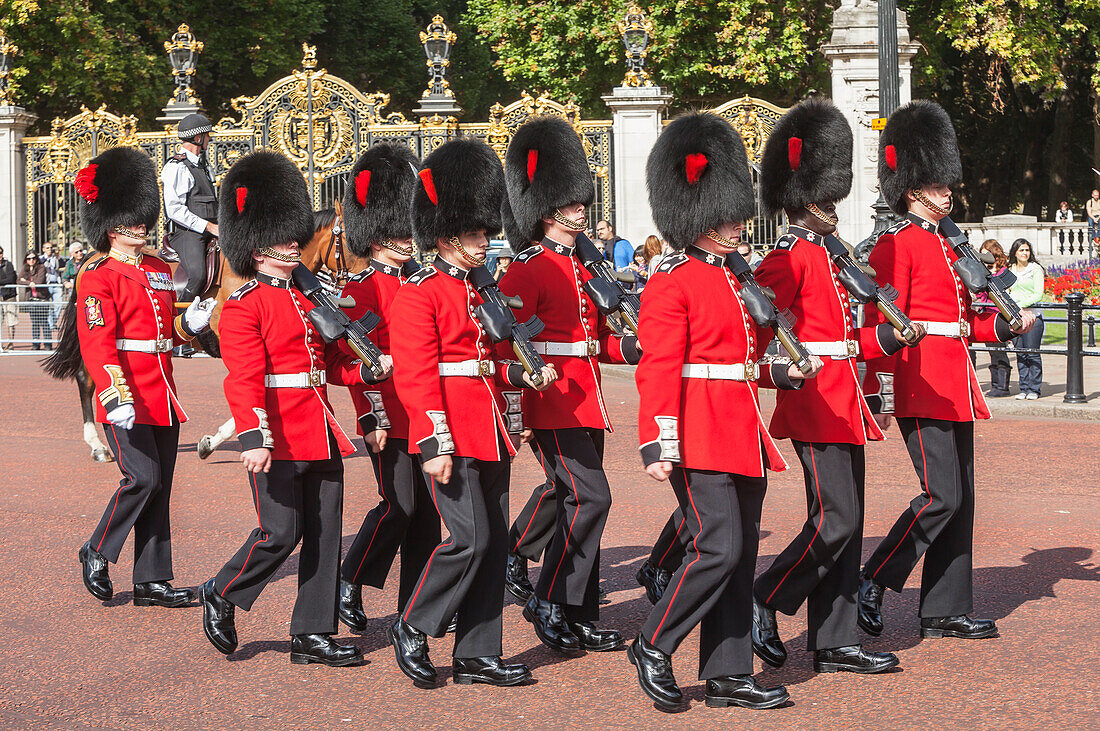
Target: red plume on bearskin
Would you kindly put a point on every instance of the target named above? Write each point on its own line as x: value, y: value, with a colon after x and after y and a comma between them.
x: 698, y: 178
x: 462, y: 186
x: 925, y: 152
x: 278, y: 208
x: 376, y: 201
x: 549, y: 144
x: 807, y: 158
x: 117, y: 188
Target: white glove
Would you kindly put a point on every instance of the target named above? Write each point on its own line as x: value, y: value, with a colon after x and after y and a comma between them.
x: 122, y: 416
x: 198, y: 313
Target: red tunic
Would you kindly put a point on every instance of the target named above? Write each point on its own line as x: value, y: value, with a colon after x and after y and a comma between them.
x: 115, y: 301
x: 374, y: 289
x: 935, y: 380
x: 462, y: 415
x: 549, y: 279
x: 829, y: 407
x: 692, y: 314
x: 264, y: 331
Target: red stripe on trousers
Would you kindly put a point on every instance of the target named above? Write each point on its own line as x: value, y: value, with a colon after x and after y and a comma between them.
x: 820, y: 522
x: 924, y: 460
x: 683, y: 575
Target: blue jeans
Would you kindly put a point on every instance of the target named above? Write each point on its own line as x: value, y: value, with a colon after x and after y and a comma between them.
x: 56, y: 297
x: 1030, y: 365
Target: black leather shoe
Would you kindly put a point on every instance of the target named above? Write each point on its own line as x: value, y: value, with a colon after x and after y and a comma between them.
x: 655, y: 675
x: 744, y: 691
x: 765, y: 635
x: 94, y: 571
x: 958, y: 625
x: 411, y: 648
x: 217, y: 619
x: 853, y: 659
x: 869, y: 618
x: 305, y: 649
x: 350, y: 607
x: 516, y: 581
x: 489, y: 670
x: 653, y: 580
x: 161, y: 594
x: 550, y: 626
x: 594, y: 639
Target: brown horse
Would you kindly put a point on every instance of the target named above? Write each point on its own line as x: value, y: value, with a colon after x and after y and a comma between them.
x: 325, y: 249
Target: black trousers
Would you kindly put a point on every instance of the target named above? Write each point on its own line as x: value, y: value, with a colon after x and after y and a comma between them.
x: 147, y: 459
x: 668, y: 552
x: 295, y: 501
x: 465, y: 573
x: 534, y: 527
x: 191, y: 247
x: 404, y: 518
x: 713, y: 585
x: 821, y: 565
x: 938, y: 524
x: 570, y: 573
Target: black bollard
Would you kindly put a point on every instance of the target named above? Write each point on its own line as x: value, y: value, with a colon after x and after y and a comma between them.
x: 1092, y: 331
x: 1075, y: 366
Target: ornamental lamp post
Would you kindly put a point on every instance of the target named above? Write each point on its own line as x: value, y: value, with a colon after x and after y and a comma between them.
x: 7, y: 55
x: 182, y: 50
x: 636, y: 30
x: 438, y: 101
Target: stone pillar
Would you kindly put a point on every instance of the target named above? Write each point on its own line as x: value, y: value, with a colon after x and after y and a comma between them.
x: 14, y: 122
x: 637, y: 113
x: 853, y: 55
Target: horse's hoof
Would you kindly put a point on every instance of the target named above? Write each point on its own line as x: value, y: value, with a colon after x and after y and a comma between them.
x: 102, y: 455
x: 204, y: 448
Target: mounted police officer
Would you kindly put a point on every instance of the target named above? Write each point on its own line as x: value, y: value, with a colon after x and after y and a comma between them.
x: 191, y: 201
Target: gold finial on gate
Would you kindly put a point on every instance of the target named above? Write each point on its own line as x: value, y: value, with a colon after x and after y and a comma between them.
x: 309, y: 56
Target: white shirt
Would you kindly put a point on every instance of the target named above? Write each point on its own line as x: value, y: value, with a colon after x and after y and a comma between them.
x: 177, y: 182
x: 1065, y: 216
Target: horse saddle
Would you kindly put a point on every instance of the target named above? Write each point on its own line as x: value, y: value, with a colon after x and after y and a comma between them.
x: 213, y: 266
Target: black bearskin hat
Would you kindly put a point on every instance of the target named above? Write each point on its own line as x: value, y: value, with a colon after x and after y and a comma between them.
x: 264, y: 202
x: 545, y: 168
x: 516, y: 238
x: 698, y: 178
x: 807, y: 158
x: 376, y: 199
x: 117, y: 188
x: 917, y: 148
x: 460, y: 189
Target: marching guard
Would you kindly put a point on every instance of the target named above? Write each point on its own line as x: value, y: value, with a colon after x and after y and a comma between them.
x: 806, y: 168
x: 465, y: 421
x: 378, y: 229
x: 932, y: 390
x: 699, y: 420
x: 549, y: 185
x: 126, y: 323
x: 291, y: 444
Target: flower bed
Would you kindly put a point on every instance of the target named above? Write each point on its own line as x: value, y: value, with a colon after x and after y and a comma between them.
x: 1083, y: 277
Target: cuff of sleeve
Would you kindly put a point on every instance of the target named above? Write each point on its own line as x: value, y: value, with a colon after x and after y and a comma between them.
x: 782, y: 378
x: 376, y: 418
x: 882, y: 401
x: 666, y: 447
x: 1002, y: 330
x: 440, y: 442
x: 632, y: 352
x: 513, y: 374
x: 513, y: 411
x: 182, y: 329
x: 259, y: 436
x: 887, y: 341
x: 118, y: 393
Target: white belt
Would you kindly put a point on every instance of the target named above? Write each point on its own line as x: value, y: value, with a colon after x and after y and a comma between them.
x: 468, y: 368
x: 838, y: 350
x: 295, y: 380
x: 949, y: 329
x: 144, y: 346
x: 720, y: 371
x: 580, y: 349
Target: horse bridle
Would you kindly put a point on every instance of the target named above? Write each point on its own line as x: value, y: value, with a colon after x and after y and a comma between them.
x: 336, y: 247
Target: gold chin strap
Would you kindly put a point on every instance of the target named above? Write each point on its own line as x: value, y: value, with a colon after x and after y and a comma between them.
x: 466, y: 256
x: 722, y: 240
x: 392, y: 246
x: 569, y: 223
x: 919, y: 195
x: 268, y: 251
x: 821, y: 215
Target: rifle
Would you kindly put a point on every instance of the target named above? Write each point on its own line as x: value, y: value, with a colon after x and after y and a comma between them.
x: 978, y: 278
x: 865, y: 290
x: 606, y: 285
x: 500, y: 324
x: 333, y: 324
x: 764, y: 312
